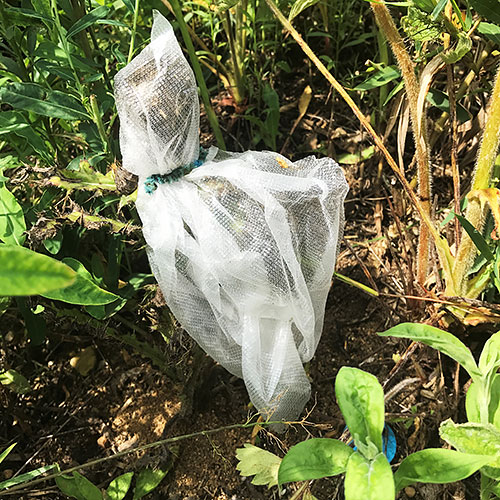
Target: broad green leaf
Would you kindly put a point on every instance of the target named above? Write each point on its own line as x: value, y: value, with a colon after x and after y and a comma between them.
x: 42, y: 7
x: 489, y: 361
x: 35, y: 98
x: 88, y: 20
x: 299, y: 6
x: 12, y: 223
x: 148, y: 480
x: 28, y: 476
x: 463, y: 46
x: 492, y: 31
x: 83, y: 291
x: 361, y: 400
x: 67, y: 484
x: 472, y: 404
x: 118, y: 488
x: 24, y: 272
x: 489, y: 9
x: 369, y: 479
x: 381, y: 77
x: 440, y: 100
x: 314, y: 459
x: 419, y: 26
x: 15, y: 381
x: 474, y: 438
x: 438, y: 339
x: 262, y: 464
x: 437, y: 466
x: 87, y: 489
x: 5, y: 452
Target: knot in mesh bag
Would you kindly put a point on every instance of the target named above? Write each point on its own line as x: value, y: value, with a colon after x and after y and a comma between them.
x: 244, y: 245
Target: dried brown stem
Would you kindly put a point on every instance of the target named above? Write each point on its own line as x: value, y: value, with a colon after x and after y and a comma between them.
x: 386, y: 24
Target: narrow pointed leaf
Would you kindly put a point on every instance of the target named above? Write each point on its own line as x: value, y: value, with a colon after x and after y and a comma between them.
x: 438, y: 339
x: 45, y: 102
x: 88, y: 20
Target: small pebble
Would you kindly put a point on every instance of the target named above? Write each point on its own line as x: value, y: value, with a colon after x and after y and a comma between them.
x: 410, y: 491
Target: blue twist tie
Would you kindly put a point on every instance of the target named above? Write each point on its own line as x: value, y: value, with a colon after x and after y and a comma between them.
x: 155, y: 180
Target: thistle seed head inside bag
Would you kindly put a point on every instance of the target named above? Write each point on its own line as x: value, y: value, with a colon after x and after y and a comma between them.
x: 243, y: 245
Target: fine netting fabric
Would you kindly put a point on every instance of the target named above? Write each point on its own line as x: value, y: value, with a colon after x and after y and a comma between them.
x: 244, y: 246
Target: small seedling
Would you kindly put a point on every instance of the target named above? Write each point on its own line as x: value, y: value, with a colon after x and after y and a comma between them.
x: 368, y: 474
x: 481, y: 435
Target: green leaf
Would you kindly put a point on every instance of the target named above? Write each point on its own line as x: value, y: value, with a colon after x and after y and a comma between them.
x: 86, y: 488
x: 463, y: 46
x: 42, y: 7
x: 472, y: 403
x: 35, y: 98
x: 12, y: 223
x: 492, y: 31
x: 489, y: 9
x: 419, y: 26
x: 299, y: 6
x: 314, y: 459
x: 440, y: 100
x: 24, y: 272
x: 361, y: 400
x: 369, y: 479
x: 86, y: 178
x: 438, y: 9
x: 438, y: 339
x: 118, y: 488
x: 437, y: 466
x: 29, y: 13
x: 148, y: 480
x: 5, y: 452
x: 380, y: 78
x: 489, y: 361
x: 254, y: 461
x: 83, y: 291
x: 15, y: 381
x: 67, y: 484
x: 477, y: 238
x: 88, y: 20
x: 474, y: 438
x: 28, y: 476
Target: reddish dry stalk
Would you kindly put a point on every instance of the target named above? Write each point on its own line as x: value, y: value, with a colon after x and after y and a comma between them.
x: 386, y: 24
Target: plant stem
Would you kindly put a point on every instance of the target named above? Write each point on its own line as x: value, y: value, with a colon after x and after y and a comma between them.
x: 386, y: 24
x: 96, y: 115
x: 445, y: 257
x: 134, y: 29
x: 475, y: 211
x: 237, y: 90
x: 212, y: 118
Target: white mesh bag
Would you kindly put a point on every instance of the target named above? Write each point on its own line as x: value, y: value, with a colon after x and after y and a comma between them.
x: 244, y: 244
